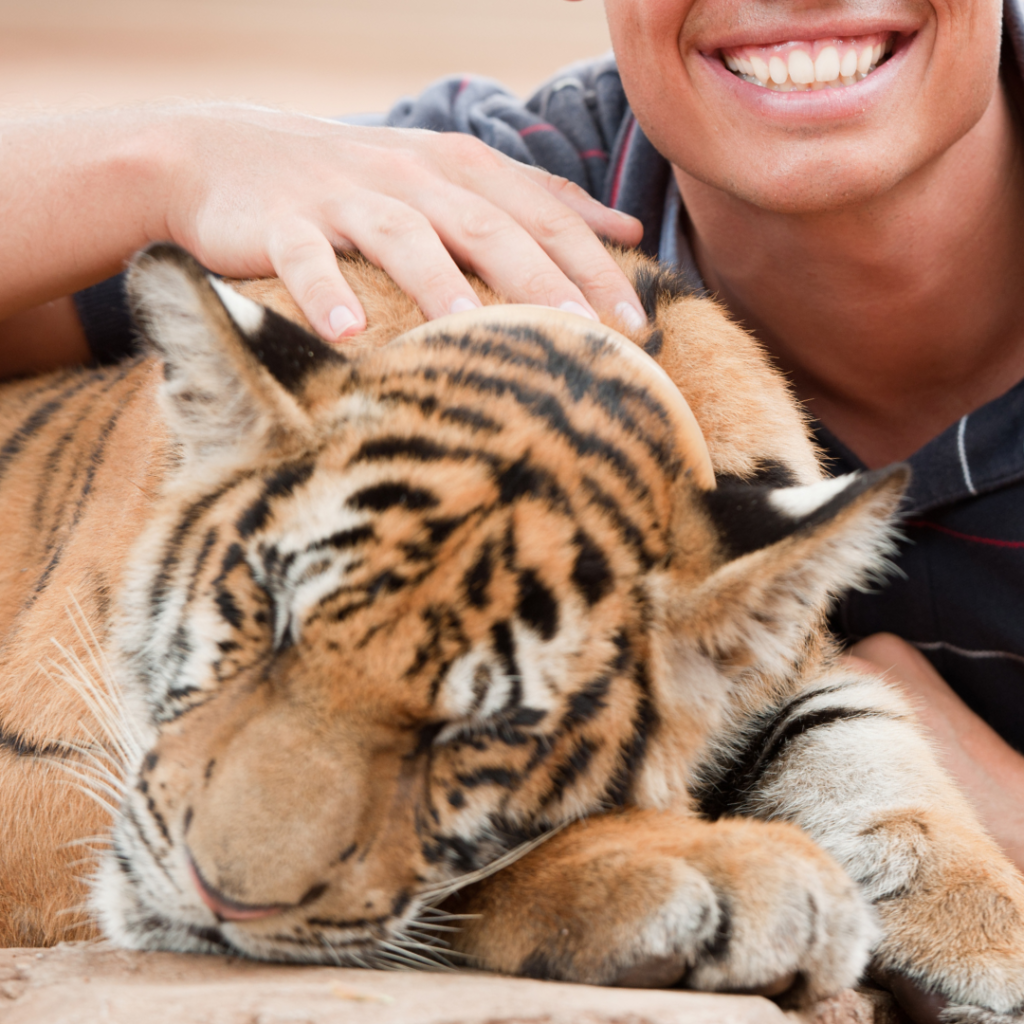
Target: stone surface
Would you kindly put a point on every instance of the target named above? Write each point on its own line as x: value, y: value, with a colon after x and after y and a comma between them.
x: 85, y: 983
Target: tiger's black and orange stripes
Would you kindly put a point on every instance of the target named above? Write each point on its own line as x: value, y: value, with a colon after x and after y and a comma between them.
x: 474, y: 618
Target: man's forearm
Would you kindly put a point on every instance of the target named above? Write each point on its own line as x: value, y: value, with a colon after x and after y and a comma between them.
x: 78, y: 195
x: 987, y: 768
x: 42, y: 338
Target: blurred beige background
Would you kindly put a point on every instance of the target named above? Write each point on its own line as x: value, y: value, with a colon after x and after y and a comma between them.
x: 318, y: 56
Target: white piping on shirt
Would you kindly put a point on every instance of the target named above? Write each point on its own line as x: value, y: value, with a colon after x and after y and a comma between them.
x: 961, y: 448
x: 942, y: 645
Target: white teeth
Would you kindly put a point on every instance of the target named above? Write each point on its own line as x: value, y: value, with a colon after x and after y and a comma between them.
x: 823, y: 64
x: 778, y: 70
x: 761, y: 72
x: 801, y: 68
x: 826, y: 67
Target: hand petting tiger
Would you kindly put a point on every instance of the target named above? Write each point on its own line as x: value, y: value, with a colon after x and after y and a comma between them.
x: 481, y: 635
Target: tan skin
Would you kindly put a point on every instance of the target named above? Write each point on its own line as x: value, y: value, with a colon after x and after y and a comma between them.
x: 873, y: 250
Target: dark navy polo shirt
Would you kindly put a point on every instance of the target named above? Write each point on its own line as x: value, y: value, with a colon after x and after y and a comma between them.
x: 957, y: 593
x: 958, y: 590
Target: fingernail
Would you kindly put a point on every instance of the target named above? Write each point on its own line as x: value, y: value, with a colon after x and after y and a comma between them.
x: 460, y: 305
x: 630, y: 316
x: 341, y: 318
x: 575, y: 307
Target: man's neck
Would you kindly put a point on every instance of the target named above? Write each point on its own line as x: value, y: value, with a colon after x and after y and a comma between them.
x: 895, y: 318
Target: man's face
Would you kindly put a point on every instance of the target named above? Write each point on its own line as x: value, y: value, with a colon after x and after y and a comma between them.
x: 791, y: 145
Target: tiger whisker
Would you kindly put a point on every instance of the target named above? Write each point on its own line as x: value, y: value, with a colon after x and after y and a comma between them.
x: 89, y: 784
x: 437, y: 957
x: 410, y: 943
x: 99, y: 799
x: 82, y: 860
x: 107, y: 701
x: 412, y: 958
x: 96, y: 750
x: 437, y: 927
x: 79, y: 908
x: 430, y: 940
x: 97, y: 772
x: 384, y: 961
x: 360, y: 959
x: 335, y: 956
x: 441, y: 890
x: 85, y: 841
x: 392, y: 961
x: 72, y: 926
x: 108, y: 715
x: 437, y: 914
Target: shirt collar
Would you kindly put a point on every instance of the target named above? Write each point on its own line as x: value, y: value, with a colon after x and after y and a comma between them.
x: 981, y: 452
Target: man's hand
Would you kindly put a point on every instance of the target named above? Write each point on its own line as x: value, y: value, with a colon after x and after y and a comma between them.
x: 253, y: 192
x: 987, y: 768
x: 268, y: 193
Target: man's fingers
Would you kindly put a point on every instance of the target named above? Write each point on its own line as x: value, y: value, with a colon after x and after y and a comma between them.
x: 435, y: 205
x: 402, y: 241
x: 533, y: 248
x: 491, y: 243
x: 614, y: 225
x: 306, y: 262
x: 471, y: 161
x: 555, y: 214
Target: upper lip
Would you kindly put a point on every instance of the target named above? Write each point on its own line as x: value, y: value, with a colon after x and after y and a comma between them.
x: 805, y: 31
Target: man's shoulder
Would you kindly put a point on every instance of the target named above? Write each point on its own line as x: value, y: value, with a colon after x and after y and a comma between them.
x: 568, y: 126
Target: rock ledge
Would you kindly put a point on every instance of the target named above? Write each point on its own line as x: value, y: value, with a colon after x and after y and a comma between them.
x: 86, y: 983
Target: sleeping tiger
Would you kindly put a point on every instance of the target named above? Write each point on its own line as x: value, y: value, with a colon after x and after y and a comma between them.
x: 501, y: 643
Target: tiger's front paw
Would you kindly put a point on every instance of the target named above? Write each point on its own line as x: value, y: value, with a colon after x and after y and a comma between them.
x: 647, y: 899
x: 953, y: 948
x: 786, y: 912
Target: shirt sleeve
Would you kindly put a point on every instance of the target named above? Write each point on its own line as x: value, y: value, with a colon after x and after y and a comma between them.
x: 106, y: 320
x: 569, y: 127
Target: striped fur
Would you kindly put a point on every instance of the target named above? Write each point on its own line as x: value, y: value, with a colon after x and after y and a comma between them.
x: 362, y: 641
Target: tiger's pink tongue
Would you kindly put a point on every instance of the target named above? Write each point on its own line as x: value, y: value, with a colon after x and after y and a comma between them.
x: 818, y: 64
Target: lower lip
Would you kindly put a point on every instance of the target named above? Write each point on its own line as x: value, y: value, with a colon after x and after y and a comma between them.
x: 818, y: 104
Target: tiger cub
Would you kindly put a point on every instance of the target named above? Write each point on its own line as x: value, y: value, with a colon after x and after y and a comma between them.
x: 509, y: 630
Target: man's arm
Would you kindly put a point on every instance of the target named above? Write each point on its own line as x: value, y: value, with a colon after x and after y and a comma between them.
x: 253, y: 192
x: 42, y: 338
x: 987, y: 768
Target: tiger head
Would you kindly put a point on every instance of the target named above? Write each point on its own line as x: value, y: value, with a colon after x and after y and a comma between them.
x: 401, y: 611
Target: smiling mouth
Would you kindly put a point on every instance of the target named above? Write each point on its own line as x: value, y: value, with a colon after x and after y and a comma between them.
x: 806, y: 66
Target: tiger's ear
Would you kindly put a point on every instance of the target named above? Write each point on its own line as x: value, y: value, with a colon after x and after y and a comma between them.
x: 233, y: 370
x: 789, y: 553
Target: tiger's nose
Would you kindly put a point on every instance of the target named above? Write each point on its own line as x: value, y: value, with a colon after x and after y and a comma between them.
x: 227, y: 909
